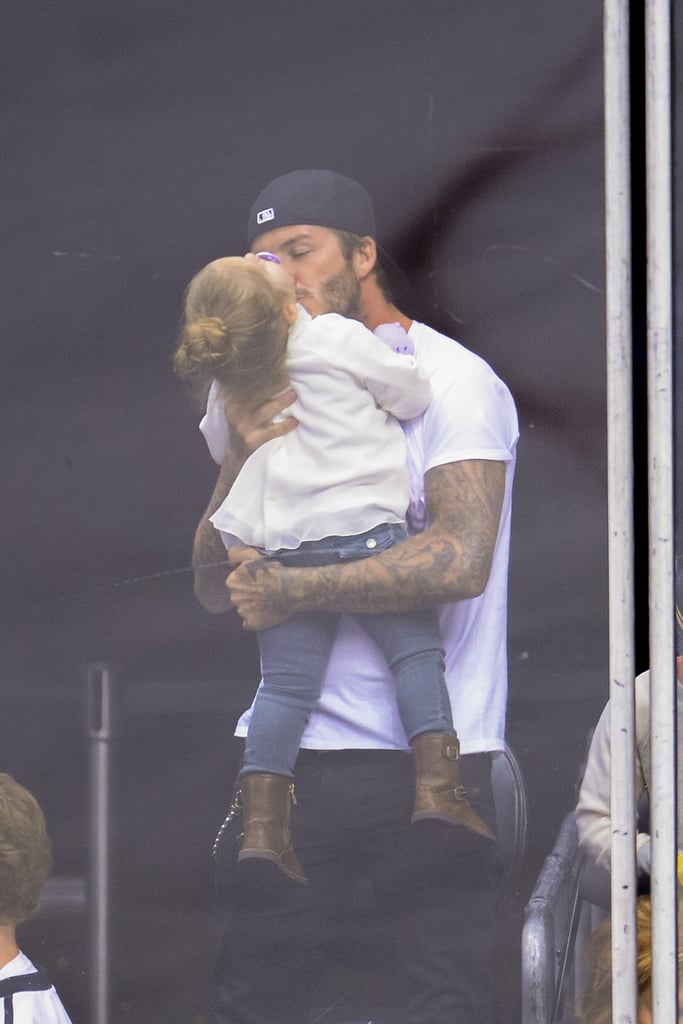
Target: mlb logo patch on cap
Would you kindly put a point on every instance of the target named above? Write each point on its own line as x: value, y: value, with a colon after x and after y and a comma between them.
x: 265, y: 215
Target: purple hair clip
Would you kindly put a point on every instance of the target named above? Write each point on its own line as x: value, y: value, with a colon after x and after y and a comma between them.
x: 269, y: 256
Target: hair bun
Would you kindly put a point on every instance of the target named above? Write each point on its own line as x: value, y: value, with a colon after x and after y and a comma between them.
x: 203, y: 347
x: 211, y: 327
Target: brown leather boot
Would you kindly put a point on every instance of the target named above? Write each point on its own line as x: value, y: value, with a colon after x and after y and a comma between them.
x: 266, y: 805
x: 438, y: 792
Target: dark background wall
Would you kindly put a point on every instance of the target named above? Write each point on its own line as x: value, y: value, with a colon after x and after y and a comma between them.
x: 135, y: 137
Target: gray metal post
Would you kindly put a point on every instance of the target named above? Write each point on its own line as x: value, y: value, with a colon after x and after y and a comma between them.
x: 620, y: 505
x: 101, y: 722
x: 658, y: 153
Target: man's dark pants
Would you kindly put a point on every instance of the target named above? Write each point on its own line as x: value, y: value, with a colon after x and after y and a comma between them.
x: 435, y: 886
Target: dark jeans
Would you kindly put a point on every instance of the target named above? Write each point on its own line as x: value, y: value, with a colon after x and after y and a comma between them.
x: 435, y: 888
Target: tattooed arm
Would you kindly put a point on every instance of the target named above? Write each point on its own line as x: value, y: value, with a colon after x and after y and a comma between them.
x: 450, y: 561
x: 209, y: 557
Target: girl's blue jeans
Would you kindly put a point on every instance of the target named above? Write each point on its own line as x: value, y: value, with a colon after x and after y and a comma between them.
x: 294, y: 657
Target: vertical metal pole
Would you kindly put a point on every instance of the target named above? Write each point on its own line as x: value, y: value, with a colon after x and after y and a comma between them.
x: 660, y: 487
x: 101, y: 720
x: 620, y: 505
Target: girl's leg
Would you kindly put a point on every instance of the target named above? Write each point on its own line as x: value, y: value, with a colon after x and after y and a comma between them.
x: 411, y: 644
x: 294, y: 657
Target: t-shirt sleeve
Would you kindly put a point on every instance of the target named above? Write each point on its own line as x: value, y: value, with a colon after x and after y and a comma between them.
x: 471, y: 417
x: 394, y: 380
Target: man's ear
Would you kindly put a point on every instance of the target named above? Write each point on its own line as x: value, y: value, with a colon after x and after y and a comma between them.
x: 365, y: 257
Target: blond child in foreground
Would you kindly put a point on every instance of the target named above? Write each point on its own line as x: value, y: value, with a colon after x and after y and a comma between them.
x: 26, y: 994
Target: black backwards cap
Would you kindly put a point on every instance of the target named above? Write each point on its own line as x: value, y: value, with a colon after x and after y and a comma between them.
x: 319, y: 198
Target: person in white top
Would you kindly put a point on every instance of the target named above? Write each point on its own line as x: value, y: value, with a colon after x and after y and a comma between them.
x: 26, y: 994
x: 333, y: 490
x: 354, y: 775
x: 593, y: 811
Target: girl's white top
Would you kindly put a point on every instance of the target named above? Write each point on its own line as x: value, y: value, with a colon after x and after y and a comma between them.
x: 343, y: 469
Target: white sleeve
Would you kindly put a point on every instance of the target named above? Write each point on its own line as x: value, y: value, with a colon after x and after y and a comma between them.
x: 472, y: 417
x: 593, y: 822
x: 394, y: 380
x: 593, y: 815
x: 214, y: 425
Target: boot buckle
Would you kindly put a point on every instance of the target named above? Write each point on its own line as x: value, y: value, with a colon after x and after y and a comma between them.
x: 452, y: 749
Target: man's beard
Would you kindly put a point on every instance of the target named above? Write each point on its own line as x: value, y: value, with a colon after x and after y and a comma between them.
x: 341, y: 293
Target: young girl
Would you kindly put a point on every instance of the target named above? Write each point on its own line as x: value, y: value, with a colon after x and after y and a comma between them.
x: 335, y: 488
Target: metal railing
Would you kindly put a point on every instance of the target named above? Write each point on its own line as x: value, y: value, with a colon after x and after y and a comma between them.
x: 622, y: 542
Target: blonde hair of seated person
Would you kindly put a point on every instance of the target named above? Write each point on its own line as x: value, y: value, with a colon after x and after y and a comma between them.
x: 596, y: 1005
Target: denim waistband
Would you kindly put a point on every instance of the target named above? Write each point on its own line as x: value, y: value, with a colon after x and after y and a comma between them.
x: 341, y: 549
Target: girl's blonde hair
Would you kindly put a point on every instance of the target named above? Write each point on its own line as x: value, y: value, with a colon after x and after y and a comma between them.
x: 234, y: 332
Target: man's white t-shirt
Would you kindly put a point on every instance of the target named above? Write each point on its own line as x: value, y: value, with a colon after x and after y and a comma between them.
x: 32, y: 1007
x: 471, y: 416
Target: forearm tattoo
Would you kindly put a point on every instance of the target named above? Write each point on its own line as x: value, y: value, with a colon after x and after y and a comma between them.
x: 450, y: 561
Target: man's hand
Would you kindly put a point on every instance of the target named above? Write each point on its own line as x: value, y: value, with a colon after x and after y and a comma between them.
x: 255, y: 427
x: 256, y: 589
